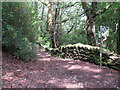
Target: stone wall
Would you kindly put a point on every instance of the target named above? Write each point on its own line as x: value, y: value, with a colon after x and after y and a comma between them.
x: 86, y: 53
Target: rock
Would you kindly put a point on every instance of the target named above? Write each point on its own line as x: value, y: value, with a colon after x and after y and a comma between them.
x: 84, y: 52
x: 19, y: 73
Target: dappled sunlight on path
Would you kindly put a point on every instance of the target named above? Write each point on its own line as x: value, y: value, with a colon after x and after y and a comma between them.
x: 52, y: 72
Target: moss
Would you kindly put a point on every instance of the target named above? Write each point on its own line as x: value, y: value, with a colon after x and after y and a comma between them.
x: 85, y: 53
x: 115, y: 67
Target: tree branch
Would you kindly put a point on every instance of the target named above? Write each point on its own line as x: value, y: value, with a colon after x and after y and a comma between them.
x: 69, y: 19
x: 70, y: 5
x: 104, y: 9
x: 46, y: 4
x: 71, y: 28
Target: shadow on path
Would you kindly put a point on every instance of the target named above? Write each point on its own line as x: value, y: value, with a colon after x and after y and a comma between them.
x: 51, y: 72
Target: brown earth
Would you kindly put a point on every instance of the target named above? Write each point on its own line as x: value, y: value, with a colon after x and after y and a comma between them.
x: 51, y: 72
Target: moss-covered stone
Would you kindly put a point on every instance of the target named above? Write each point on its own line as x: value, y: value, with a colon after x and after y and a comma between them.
x: 86, y: 53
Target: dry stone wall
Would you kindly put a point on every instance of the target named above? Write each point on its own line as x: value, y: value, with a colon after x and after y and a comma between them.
x: 86, y: 53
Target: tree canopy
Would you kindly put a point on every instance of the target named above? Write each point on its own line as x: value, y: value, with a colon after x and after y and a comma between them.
x: 53, y: 24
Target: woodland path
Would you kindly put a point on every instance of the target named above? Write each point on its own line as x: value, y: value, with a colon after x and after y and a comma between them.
x: 51, y: 72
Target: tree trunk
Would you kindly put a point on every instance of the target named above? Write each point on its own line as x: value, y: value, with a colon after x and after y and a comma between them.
x: 42, y: 18
x: 90, y: 31
x: 54, y: 28
x: 118, y: 38
x: 59, y: 25
x: 56, y: 14
x: 50, y: 23
x: 90, y: 28
x: 90, y: 11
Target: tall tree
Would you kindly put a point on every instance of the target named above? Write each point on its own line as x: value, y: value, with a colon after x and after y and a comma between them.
x: 57, y: 26
x: 118, y: 31
x: 91, y: 11
x: 51, y: 24
x: 53, y: 19
x: 118, y: 38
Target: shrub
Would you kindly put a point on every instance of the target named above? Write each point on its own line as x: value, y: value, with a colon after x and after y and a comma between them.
x: 19, y: 29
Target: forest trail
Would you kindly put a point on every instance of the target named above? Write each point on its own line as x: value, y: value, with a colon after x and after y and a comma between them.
x: 52, y: 72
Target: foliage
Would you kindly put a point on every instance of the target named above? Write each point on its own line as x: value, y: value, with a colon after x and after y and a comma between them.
x: 73, y: 13
x: 20, y: 29
x: 109, y: 19
x: 24, y: 24
x: 77, y: 36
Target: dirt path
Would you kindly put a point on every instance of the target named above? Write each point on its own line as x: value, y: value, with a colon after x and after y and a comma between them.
x: 51, y: 72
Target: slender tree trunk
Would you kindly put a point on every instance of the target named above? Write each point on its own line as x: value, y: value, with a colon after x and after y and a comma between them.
x: 50, y: 23
x: 59, y: 25
x: 56, y: 26
x: 118, y: 38
x: 41, y: 25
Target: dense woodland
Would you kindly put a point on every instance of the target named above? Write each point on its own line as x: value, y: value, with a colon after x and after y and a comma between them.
x: 48, y: 44
x: 53, y: 24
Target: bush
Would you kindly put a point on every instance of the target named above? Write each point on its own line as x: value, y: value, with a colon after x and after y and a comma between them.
x: 20, y: 29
